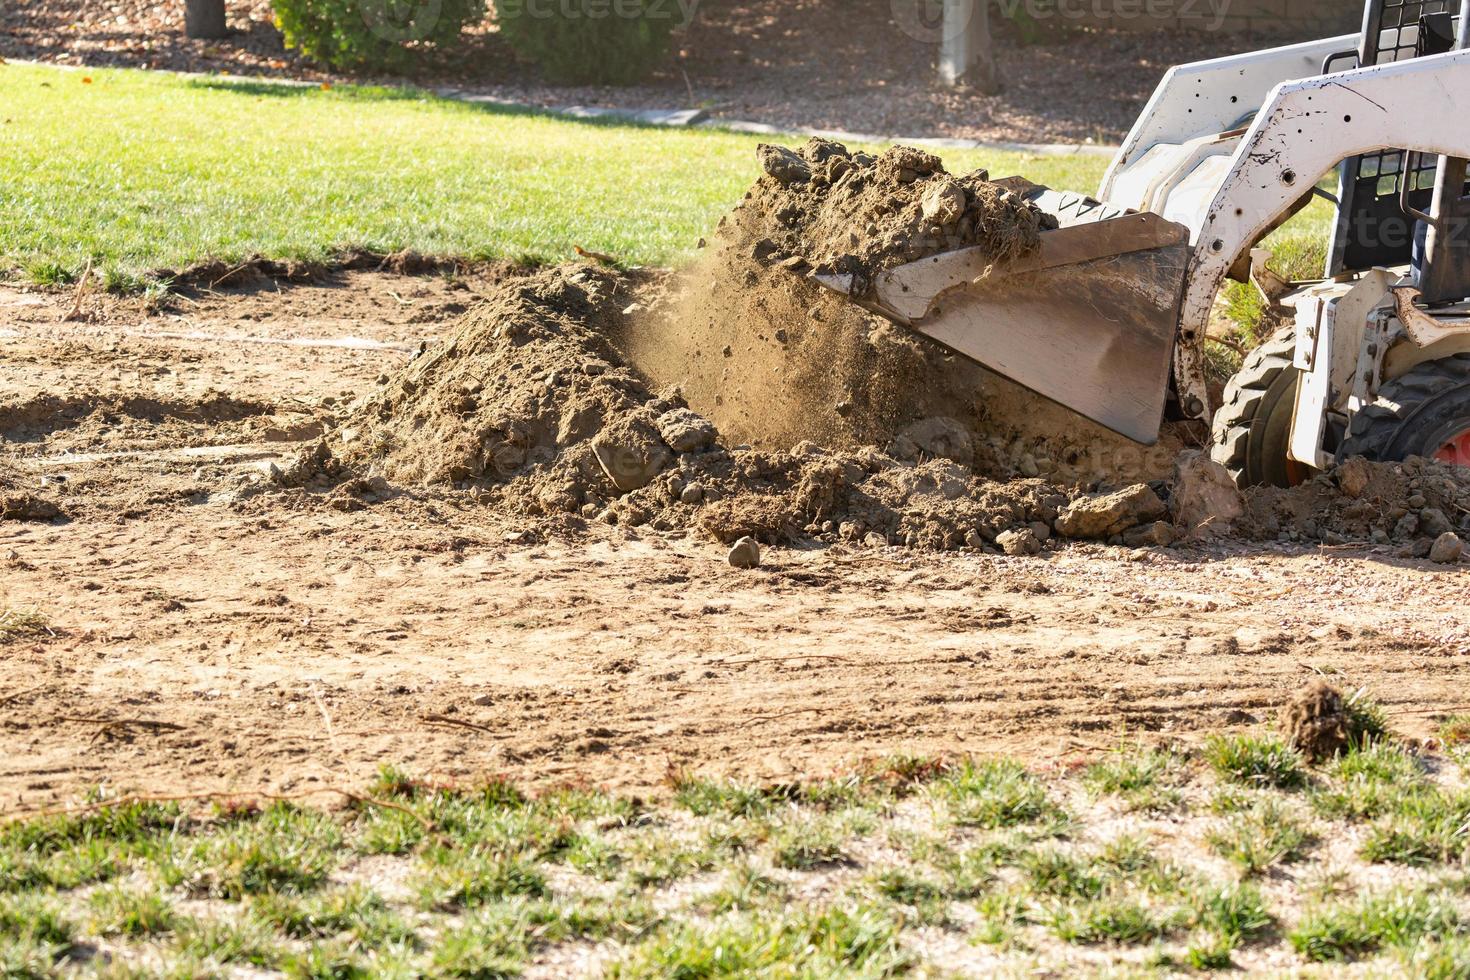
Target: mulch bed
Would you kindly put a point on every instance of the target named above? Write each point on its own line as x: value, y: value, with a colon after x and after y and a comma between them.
x: 827, y: 64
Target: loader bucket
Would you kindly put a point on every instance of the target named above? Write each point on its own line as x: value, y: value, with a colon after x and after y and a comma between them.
x: 1087, y: 320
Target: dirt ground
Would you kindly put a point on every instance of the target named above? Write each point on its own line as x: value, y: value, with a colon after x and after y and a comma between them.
x: 205, y: 634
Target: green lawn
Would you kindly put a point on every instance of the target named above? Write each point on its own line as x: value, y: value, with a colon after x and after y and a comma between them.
x: 138, y: 171
x: 1150, y: 862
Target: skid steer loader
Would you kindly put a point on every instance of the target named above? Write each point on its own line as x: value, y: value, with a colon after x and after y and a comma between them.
x: 1109, y: 316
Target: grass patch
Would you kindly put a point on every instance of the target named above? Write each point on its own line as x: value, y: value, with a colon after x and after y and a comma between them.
x: 1369, y: 783
x: 1122, y: 921
x: 354, y: 909
x: 284, y: 849
x: 139, y: 171
x: 802, y: 942
x: 35, y: 919
x: 131, y: 912
x: 1255, y: 761
x: 1454, y: 731
x: 246, y: 941
x: 1422, y: 829
x: 1396, y: 918
x: 1143, y: 778
x: 459, y: 879
x: 1260, y: 837
x: 995, y: 794
x: 20, y: 624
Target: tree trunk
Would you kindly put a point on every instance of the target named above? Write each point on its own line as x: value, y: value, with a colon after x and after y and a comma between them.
x: 204, y: 18
x: 965, y: 56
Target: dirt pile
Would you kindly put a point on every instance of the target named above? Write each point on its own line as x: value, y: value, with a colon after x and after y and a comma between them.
x: 758, y: 347
x: 531, y: 406
x: 829, y: 210
x: 1409, y: 504
x: 528, y: 406
x: 1316, y: 723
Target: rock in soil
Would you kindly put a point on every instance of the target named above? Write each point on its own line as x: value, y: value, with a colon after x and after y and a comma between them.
x: 1204, y: 497
x: 1447, y: 549
x: 745, y: 553
x: 1103, y: 515
x: 1315, y: 721
x: 1018, y: 542
x: 1159, y: 534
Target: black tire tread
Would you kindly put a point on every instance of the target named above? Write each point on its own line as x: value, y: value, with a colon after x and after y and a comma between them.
x: 1230, y: 432
x: 1374, y: 427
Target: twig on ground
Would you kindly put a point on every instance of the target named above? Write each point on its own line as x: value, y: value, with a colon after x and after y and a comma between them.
x: 446, y: 720
x: 794, y: 656
x: 124, y: 722
x: 602, y: 257
x: 780, y: 714
x: 81, y: 292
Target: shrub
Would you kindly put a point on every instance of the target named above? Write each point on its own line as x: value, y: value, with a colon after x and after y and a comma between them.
x: 372, y: 34
x: 610, y: 42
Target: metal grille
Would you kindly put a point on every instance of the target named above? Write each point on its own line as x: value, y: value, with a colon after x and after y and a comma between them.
x: 1370, y: 184
x: 1398, y: 29
x: 1396, y: 39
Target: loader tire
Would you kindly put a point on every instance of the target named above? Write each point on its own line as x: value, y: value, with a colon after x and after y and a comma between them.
x: 1424, y: 412
x: 1253, y: 426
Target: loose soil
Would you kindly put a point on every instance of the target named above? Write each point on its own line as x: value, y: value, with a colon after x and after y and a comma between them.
x: 212, y: 629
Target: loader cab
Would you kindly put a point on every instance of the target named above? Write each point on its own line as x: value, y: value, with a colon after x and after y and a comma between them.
x: 1398, y: 208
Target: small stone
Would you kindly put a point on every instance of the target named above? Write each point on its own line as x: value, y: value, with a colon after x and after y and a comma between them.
x: 944, y: 201
x: 875, y: 540
x: 1159, y: 534
x: 692, y: 494
x: 1447, y: 549
x: 783, y: 164
x: 1018, y: 542
x: 745, y: 553
x: 1042, y: 530
x: 1027, y: 465
x: 1416, y: 501
x: 1354, y: 475
x: 685, y: 431
x: 973, y: 539
x: 1407, y: 527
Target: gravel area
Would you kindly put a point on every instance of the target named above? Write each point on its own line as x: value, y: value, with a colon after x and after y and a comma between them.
x: 824, y: 64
